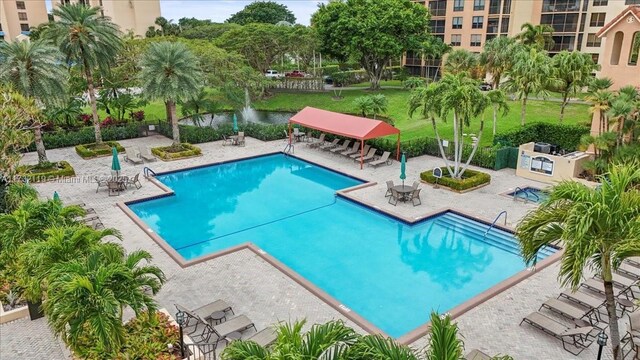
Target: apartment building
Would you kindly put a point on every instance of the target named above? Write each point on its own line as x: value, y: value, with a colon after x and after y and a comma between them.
x: 18, y: 16
x: 130, y: 15
x: 469, y: 24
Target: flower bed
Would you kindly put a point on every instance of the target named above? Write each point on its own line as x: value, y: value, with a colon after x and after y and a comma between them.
x: 93, y: 150
x: 471, y: 180
x: 46, y: 171
x: 172, y: 152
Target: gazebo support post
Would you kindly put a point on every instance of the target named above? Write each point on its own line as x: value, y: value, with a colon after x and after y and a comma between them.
x: 361, y: 153
x: 398, y: 148
x: 289, y: 132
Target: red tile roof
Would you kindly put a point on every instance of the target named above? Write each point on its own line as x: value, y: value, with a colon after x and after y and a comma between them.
x: 633, y: 10
x: 351, y: 126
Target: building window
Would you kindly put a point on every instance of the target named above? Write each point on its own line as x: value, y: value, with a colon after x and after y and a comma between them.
x: 593, y: 40
x: 566, y: 42
x: 561, y: 22
x: 476, y: 40
x: 561, y: 5
x: 489, y: 37
x: 595, y: 58
x: 437, y: 26
x: 494, y: 7
x: 583, y: 19
x: 504, y: 26
x: 458, y: 5
x: 600, y: 2
x: 22, y: 16
x: 632, y: 2
x: 457, y: 23
x: 456, y: 40
x: 477, y: 22
x: 597, y: 19
x: 413, y: 58
x: 506, y: 7
x: 635, y: 49
x: 20, y: 5
x: 24, y: 27
x: 492, y: 26
x: 438, y: 8
x: 478, y: 5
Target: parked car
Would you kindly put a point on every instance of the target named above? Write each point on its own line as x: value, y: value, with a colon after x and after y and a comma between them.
x: 328, y: 79
x: 274, y: 74
x: 295, y: 73
x: 485, y: 87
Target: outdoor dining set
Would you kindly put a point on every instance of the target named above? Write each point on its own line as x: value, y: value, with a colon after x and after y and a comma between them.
x: 403, y: 193
x: 118, y: 183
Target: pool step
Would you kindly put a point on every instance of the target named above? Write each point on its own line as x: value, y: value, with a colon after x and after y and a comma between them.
x: 495, y: 237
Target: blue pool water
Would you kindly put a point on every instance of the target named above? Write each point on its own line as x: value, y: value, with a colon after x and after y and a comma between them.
x: 530, y: 194
x: 391, y: 273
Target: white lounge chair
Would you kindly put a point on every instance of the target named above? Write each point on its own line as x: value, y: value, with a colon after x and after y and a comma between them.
x: 132, y: 155
x: 147, y: 154
x: 384, y: 159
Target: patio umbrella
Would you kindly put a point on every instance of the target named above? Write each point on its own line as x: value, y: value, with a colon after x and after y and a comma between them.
x: 56, y: 197
x: 235, y: 123
x: 115, y: 162
x: 403, y: 168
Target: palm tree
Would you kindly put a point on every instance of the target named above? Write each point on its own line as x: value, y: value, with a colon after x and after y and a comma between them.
x: 88, y: 40
x: 530, y: 74
x: 36, y: 70
x: 17, y: 194
x: 434, y: 49
x: 496, y: 57
x: 460, y: 60
x: 598, y: 228
x: 15, y: 110
x: 538, y: 36
x: 600, y: 100
x: 86, y: 296
x: 170, y: 72
x: 572, y: 73
x: 363, y: 104
x: 198, y: 106
x: 498, y: 100
x: 621, y: 109
x: 380, y: 104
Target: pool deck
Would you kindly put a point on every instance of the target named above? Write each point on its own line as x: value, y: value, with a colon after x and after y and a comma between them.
x: 266, y: 295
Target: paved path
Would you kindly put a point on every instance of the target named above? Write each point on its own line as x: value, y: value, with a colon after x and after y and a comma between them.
x: 25, y: 340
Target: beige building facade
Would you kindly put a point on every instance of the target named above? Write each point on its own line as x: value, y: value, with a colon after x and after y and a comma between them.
x: 469, y: 24
x: 18, y: 16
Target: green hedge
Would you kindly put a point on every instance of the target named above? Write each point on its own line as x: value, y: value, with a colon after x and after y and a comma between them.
x: 164, y: 154
x: 470, y: 179
x: 85, y: 135
x: 198, y: 135
x: 565, y: 136
x: 87, y: 153
x: 32, y: 172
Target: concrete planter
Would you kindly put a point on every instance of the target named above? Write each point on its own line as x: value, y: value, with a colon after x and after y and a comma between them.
x: 11, y: 315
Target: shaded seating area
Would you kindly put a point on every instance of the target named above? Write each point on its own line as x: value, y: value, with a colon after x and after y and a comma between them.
x: 349, y: 127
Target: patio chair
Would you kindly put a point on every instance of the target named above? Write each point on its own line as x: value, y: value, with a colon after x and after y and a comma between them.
x: 226, y: 141
x: 97, y: 225
x: 622, y: 283
x: 343, y: 147
x: 264, y: 337
x: 331, y: 145
x: 317, y: 142
x: 629, y: 270
x: 389, y: 187
x: 100, y: 182
x: 369, y: 157
x: 395, y: 197
x: 364, y: 151
x: 218, y: 306
x: 415, y: 195
x: 114, y: 187
x: 132, y: 155
x: 355, y: 149
x: 633, y: 333
x: 384, y: 159
x: 236, y: 324
x: 572, y: 312
x: 240, y: 141
x: 416, y: 184
x: 476, y: 354
x: 574, y: 340
x: 298, y: 135
x: 134, y: 181
x: 147, y: 155
x: 634, y: 260
x: 87, y: 218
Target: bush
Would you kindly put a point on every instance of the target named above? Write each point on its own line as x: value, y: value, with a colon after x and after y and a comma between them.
x: 173, y: 153
x: 344, y: 78
x: 46, y: 172
x: 565, y: 136
x: 198, y: 135
x: 470, y: 179
x: 89, y: 151
x: 60, y: 139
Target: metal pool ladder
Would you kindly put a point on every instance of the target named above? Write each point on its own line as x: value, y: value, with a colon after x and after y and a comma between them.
x: 495, y: 220
x: 147, y: 172
x: 526, y: 193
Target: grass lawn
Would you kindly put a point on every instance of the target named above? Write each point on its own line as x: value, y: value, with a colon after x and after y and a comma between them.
x: 537, y: 111
x: 382, y: 83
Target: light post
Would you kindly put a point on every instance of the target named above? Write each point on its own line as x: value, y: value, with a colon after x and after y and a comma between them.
x: 180, y: 321
x: 602, y: 342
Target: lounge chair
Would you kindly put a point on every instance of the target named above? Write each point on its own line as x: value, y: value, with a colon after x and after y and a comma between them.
x: 218, y: 306
x: 621, y: 282
x: 384, y: 159
x: 415, y: 195
x: 240, y: 141
x: 264, y: 337
x: 100, y: 182
x: 389, y: 187
x: 476, y: 354
x: 226, y: 141
x: 355, y: 149
x: 633, y: 333
x: 357, y: 155
x: 577, y: 338
x: 132, y: 155
x: 331, y: 145
x: 318, y: 142
x: 634, y: 260
x: 629, y: 270
x: 572, y: 312
x: 147, y: 155
x: 369, y: 157
x: 583, y: 299
x: 236, y: 324
x: 134, y: 181
x: 343, y: 147
x: 87, y: 218
x: 97, y: 225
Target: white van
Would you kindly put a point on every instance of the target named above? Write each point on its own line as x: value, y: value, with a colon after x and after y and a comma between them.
x: 272, y: 74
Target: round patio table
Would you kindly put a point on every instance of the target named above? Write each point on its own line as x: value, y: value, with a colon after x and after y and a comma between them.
x: 404, y: 191
x: 236, y: 335
x: 217, y: 316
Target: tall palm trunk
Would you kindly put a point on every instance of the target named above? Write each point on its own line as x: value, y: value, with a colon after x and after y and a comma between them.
x: 614, y: 331
x: 92, y: 100
x: 174, y: 122
x: 523, y: 111
x: 456, y: 163
x: 40, y: 149
x: 442, y: 153
x: 496, y: 81
x: 565, y: 101
x: 495, y: 118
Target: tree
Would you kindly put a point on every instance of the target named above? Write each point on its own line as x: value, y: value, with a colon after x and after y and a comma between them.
x: 496, y: 58
x: 572, y: 73
x: 260, y: 44
x: 530, y: 74
x: 461, y: 60
x: 371, y: 31
x: 198, y: 106
x: 601, y: 103
x: 88, y: 40
x: 18, y: 193
x: 164, y: 28
x: 86, y: 296
x: 36, y: 70
x: 457, y: 94
x: 207, y: 32
x: 434, y: 50
x: 67, y: 113
x: 538, y: 36
x: 598, y: 228
x: 170, y: 72
x: 364, y: 104
x: 266, y: 12
x: 498, y: 101
x: 15, y: 112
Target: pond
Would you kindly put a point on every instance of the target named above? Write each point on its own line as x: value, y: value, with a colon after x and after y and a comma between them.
x: 253, y: 116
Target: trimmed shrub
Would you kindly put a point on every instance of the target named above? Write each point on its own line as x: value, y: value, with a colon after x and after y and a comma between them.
x: 198, y: 135
x: 470, y: 179
x: 47, y: 172
x: 60, y: 139
x: 89, y: 151
x: 565, y: 136
x: 170, y: 153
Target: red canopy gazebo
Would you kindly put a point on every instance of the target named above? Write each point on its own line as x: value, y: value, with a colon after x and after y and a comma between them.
x: 354, y: 127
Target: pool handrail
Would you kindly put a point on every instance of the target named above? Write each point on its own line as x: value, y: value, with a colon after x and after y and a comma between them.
x: 526, y: 192
x: 146, y: 171
x: 495, y: 220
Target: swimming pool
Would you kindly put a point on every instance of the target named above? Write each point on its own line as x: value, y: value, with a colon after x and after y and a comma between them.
x: 387, y: 271
x: 529, y: 193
